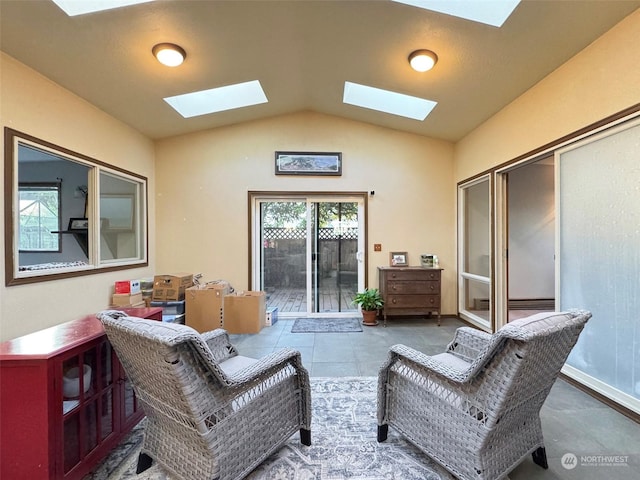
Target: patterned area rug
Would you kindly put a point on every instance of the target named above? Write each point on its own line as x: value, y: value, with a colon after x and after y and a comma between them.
x: 343, y: 444
x: 326, y: 325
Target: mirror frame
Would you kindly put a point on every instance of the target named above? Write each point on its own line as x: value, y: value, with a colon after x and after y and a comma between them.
x: 10, y: 185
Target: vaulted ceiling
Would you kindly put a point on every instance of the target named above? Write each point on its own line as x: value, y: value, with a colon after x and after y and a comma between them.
x: 302, y: 52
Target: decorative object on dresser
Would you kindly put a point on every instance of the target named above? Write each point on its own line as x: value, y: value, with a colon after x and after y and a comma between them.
x: 398, y: 259
x: 410, y: 291
x: 66, y: 401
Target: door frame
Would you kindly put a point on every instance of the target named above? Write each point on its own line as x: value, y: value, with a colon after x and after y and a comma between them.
x: 255, y: 197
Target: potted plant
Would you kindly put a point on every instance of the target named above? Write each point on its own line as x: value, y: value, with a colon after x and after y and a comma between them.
x: 370, y: 302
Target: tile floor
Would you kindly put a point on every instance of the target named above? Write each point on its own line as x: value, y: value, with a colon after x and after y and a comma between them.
x: 573, y: 422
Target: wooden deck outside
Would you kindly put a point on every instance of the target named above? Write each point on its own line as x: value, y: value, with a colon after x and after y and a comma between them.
x: 292, y: 300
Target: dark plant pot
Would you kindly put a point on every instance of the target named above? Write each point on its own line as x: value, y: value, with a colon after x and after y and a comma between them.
x: 369, y: 317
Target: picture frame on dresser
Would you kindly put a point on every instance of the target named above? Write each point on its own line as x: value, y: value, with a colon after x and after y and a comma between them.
x: 398, y: 259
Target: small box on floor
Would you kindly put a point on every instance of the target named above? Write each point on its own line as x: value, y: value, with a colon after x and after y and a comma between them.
x: 272, y: 316
x: 170, y: 308
x: 204, y: 305
x: 171, y: 287
x: 244, y: 312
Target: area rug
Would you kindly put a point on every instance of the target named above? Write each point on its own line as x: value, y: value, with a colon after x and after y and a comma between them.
x: 326, y: 325
x: 343, y: 444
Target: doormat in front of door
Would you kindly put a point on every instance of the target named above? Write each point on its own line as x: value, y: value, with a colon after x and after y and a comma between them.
x: 326, y: 325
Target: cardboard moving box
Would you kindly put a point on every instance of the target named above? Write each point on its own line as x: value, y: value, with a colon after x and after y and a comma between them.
x: 125, y: 300
x: 245, y: 312
x: 204, y: 305
x: 171, y: 287
x: 127, y: 286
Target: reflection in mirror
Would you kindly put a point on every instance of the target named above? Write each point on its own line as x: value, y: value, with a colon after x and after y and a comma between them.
x: 53, y: 200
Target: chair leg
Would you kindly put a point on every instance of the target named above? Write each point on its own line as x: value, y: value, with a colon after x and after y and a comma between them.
x: 305, y: 437
x: 144, y: 462
x: 383, y: 432
x: 540, y: 457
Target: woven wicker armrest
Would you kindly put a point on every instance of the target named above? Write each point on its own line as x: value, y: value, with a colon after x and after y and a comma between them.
x: 266, y: 366
x: 218, y: 342
x: 468, y: 343
x: 444, y: 369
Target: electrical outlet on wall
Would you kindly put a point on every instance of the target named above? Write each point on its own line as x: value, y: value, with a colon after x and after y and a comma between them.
x: 377, y: 247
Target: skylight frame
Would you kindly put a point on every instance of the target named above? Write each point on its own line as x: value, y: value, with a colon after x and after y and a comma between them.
x: 82, y: 7
x: 219, y: 99
x: 489, y: 12
x: 386, y: 101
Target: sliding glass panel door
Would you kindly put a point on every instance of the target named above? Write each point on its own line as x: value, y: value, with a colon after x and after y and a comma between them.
x: 308, y: 259
x: 598, y: 204
x: 474, y: 252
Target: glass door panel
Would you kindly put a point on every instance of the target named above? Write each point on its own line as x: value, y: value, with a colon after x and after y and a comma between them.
x: 598, y: 213
x: 474, y: 252
x: 283, y: 240
x: 334, y: 255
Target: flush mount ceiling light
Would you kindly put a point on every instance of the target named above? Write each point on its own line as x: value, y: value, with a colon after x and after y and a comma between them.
x: 169, y: 54
x: 422, y: 60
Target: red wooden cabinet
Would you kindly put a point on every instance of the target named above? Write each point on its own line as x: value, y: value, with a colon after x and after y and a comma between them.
x: 65, y: 401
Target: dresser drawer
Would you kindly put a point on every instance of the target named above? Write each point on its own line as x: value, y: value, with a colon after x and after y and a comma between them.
x: 417, y: 287
x: 412, y: 301
x: 413, y: 275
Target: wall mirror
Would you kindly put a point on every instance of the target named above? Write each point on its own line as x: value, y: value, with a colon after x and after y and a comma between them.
x: 67, y: 214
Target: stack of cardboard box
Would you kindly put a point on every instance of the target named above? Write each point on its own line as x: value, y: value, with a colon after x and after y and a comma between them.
x: 127, y: 294
x: 169, y: 293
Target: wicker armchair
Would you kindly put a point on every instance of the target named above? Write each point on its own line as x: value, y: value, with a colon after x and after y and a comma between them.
x: 475, y: 409
x: 211, y: 413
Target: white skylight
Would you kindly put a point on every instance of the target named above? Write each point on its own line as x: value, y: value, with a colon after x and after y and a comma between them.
x: 218, y: 99
x: 386, y: 101
x: 80, y: 7
x: 491, y: 12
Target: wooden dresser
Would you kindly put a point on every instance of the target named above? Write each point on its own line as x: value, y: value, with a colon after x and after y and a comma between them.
x: 410, y: 290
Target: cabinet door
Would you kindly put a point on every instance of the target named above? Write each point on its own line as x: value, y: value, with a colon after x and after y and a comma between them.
x: 87, y: 389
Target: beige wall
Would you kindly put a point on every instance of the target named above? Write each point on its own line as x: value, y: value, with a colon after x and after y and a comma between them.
x: 601, y: 80
x: 203, y: 180
x: 34, y: 105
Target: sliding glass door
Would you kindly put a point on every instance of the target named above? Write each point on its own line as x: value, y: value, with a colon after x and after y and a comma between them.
x: 307, y: 253
x: 598, y: 204
x: 475, y: 299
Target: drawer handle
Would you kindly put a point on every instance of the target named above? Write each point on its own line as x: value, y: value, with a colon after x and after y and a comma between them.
x: 432, y: 287
x: 393, y: 275
x: 393, y: 287
x: 393, y: 301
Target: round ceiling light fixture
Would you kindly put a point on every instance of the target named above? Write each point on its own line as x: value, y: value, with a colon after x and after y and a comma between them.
x: 169, y: 54
x: 422, y: 60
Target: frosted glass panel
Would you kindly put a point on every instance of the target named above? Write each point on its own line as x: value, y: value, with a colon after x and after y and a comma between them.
x: 599, y: 233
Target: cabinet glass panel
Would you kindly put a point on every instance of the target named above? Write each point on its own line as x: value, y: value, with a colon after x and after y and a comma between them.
x: 71, y: 441
x: 71, y: 381
x: 106, y: 417
x: 106, y: 368
x: 90, y: 437
x: 129, y: 399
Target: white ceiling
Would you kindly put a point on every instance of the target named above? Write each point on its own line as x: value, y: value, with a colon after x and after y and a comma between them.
x: 302, y: 52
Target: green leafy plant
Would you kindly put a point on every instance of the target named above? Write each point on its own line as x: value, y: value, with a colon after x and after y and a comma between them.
x: 369, y: 299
